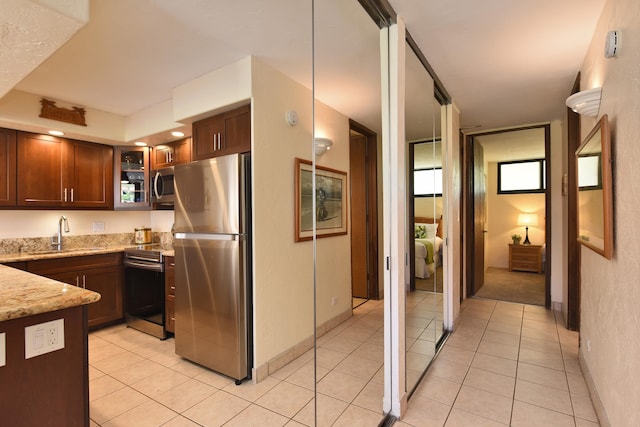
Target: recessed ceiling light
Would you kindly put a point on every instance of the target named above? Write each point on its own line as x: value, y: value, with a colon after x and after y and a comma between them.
x: 177, y: 134
x: 140, y: 144
x: 56, y: 133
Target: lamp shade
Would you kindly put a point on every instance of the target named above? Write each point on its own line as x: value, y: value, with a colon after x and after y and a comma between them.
x: 586, y: 102
x: 528, y: 219
x: 322, y: 145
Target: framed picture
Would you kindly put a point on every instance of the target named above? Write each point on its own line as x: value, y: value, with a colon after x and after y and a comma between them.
x: 330, y: 201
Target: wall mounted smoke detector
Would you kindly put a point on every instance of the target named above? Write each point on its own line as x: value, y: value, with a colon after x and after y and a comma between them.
x: 291, y: 117
x: 611, y: 44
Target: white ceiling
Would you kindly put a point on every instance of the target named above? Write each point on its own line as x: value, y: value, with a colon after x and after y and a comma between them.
x: 504, y: 62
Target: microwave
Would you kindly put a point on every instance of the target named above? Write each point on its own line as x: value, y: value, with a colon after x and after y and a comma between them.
x: 163, y: 194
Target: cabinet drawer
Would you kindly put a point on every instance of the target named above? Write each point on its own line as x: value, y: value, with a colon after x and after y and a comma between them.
x: 73, y: 263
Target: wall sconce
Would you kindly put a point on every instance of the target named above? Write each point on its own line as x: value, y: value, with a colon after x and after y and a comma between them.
x: 321, y: 145
x: 528, y: 220
x: 586, y: 102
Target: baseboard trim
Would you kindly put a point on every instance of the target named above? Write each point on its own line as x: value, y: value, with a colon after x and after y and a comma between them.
x: 593, y: 392
x: 263, y: 371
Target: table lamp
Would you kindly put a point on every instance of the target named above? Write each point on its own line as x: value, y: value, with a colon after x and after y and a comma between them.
x: 527, y: 219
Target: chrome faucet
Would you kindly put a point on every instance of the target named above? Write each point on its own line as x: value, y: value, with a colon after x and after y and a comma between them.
x: 58, y: 244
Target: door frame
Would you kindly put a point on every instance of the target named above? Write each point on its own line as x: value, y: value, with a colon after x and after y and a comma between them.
x: 371, y: 176
x: 468, y: 195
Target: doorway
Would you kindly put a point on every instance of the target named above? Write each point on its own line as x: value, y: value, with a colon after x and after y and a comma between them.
x: 363, y: 193
x: 508, y: 195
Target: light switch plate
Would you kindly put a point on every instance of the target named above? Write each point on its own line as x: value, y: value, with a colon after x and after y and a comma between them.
x: 3, y: 349
x: 43, y: 338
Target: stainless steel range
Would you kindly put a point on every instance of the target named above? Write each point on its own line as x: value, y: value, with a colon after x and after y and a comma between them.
x: 144, y: 300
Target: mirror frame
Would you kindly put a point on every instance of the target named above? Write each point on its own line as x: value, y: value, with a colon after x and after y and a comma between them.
x: 602, y: 127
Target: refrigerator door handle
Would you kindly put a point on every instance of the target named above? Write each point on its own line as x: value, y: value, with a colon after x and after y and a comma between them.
x: 205, y: 236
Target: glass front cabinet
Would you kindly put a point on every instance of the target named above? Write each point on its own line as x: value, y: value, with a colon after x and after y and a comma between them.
x: 131, y: 178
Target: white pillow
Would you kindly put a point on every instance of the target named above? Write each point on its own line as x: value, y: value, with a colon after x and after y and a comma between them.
x: 432, y: 231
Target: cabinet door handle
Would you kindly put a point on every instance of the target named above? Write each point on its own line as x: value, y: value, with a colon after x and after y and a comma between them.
x: 215, y: 144
x: 173, y: 288
x: 65, y: 194
x: 84, y: 281
x: 77, y: 281
x: 219, y: 141
x: 72, y: 195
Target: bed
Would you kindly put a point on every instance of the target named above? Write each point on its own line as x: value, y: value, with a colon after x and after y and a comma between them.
x: 428, y: 245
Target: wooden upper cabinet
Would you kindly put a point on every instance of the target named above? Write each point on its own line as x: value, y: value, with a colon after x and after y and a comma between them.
x: 42, y: 169
x: 172, y: 153
x: 7, y: 167
x: 226, y: 133
x: 55, y: 172
x: 91, y: 178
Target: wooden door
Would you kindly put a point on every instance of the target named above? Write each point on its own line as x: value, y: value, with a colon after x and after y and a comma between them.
x: 479, y: 216
x: 364, y: 220
x: 7, y: 167
x: 358, y: 191
x: 92, y: 175
x: 41, y: 170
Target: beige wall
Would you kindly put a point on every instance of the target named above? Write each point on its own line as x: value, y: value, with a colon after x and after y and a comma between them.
x: 610, y: 325
x: 283, y: 269
x: 502, y: 219
x: 42, y: 223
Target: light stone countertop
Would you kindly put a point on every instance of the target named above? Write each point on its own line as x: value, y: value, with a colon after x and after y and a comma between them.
x: 48, y: 254
x: 35, y: 255
x: 24, y: 294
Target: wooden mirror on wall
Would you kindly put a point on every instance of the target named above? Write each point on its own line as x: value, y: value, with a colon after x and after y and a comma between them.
x: 595, y: 188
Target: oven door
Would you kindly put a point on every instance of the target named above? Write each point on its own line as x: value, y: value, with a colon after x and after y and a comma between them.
x: 144, y: 299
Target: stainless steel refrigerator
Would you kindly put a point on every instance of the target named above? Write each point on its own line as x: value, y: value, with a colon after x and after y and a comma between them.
x: 213, y: 266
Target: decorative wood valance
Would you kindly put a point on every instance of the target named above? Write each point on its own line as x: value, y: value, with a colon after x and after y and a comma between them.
x: 50, y: 111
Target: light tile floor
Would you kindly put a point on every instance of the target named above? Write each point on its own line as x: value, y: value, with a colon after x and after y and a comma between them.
x: 506, y: 364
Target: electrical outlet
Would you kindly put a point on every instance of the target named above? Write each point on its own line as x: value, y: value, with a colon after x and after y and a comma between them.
x: 334, y: 300
x: 3, y: 349
x: 43, y: 338
x: 98, y: 227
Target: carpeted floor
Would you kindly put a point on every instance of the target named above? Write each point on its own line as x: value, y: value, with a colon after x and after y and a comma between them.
x: 427, y: 284
x: 514, y: 286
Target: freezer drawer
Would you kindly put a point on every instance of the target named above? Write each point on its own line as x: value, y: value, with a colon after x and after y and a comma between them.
x: 210, y: 303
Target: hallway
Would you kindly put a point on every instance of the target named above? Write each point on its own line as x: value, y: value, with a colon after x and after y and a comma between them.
x: 506, y: 364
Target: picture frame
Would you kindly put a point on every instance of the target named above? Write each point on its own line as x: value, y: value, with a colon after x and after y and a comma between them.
x: 331, y: 201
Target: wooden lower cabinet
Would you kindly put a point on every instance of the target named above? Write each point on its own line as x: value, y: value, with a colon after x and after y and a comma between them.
x: 99, y: 273
x: 51, y: 389
x: 170, y: 293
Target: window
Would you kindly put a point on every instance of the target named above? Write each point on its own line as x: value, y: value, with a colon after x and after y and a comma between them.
x: 523, y: 176
x: 427, y: 182
x: 589, y: 172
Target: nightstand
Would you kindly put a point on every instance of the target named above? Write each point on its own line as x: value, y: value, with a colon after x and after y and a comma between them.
x: 525, y: 258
